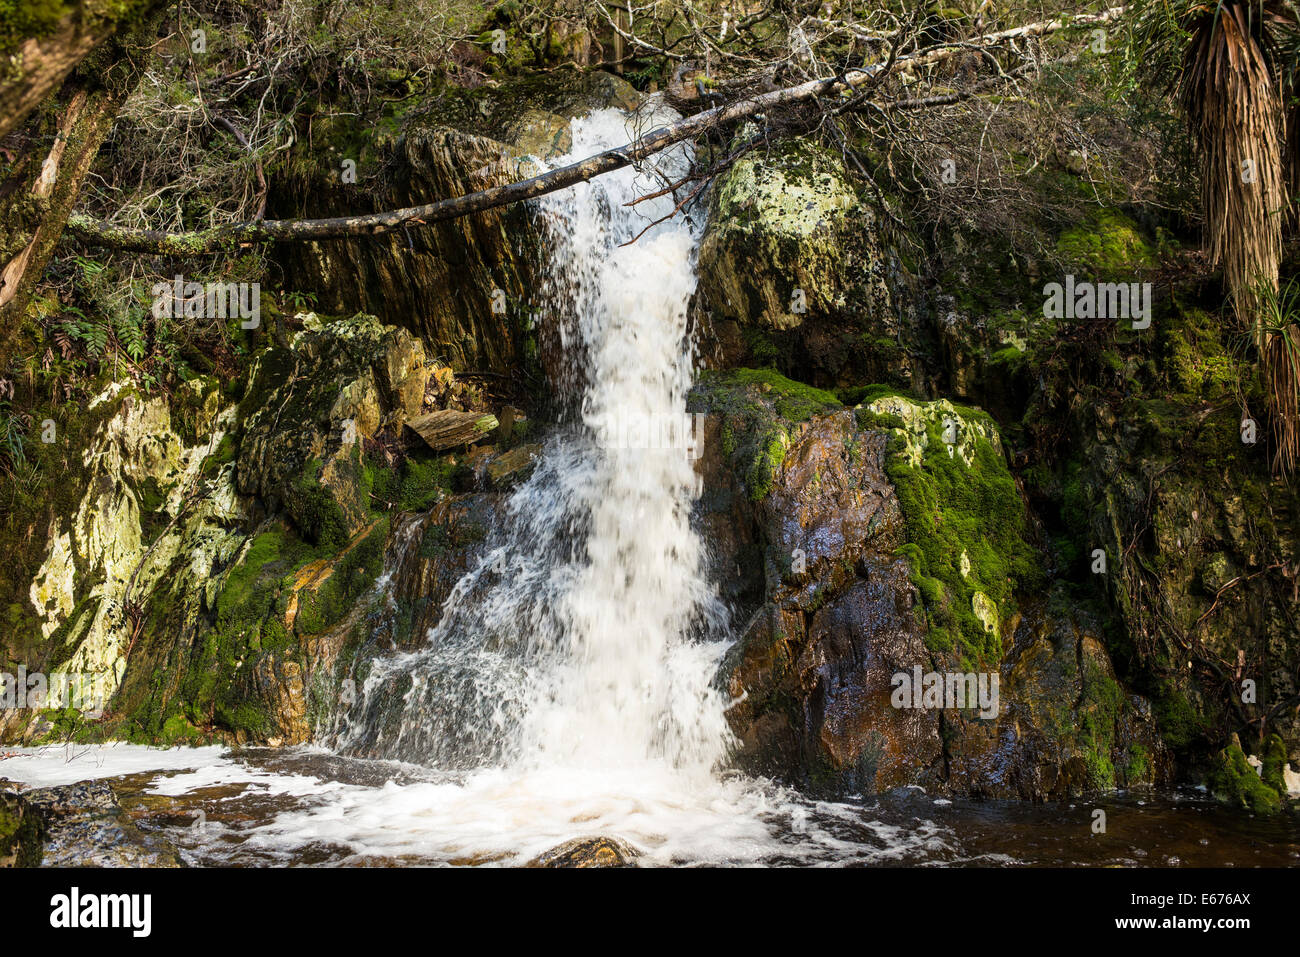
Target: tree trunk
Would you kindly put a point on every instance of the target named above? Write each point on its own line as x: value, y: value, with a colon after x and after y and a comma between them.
x: 55, y: 152
x: 39, y: 62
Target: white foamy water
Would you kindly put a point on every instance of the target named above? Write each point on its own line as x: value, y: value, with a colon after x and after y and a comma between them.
x: 67, y: 764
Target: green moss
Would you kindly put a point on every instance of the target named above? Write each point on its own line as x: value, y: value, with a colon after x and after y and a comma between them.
x: 950, y: 510
x: 1181, y: 725
x: 1099, y: 711
x: 758, y: 408
x: 1235, y: 782
x: 223, y: 454
x: 243, y: 716
x: 1109, y: 245
x: 416, y: 485
x: 1197, y: 363
x: 1273, y: 757
x: 179, y: 730
x: 253, y: 586
x: 355, y: 572
x: 1139, y: 768
x: 315, y: 508
x: 794, y: 400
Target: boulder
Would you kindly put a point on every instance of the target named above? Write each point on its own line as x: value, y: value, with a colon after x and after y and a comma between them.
x: 889, y: 540
x: 588, y: 852
x: 795, y: 269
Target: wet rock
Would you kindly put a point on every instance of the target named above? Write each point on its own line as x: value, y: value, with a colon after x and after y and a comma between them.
x: 1065, y: 725
x: 834, y: 616
x: 86, y: 827
x: 513, y: 466
x: 432, y: 552
x: 813, y: 670
x: 873, y: 526
x: 22, y: 831
x: 588, y: 852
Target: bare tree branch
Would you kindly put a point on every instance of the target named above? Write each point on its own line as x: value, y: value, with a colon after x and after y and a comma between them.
x: 94, y: 232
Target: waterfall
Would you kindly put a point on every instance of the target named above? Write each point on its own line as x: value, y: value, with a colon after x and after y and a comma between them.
x: 589, y: 635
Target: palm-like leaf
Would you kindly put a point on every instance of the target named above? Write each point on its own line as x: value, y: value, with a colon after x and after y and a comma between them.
x: 1229, y: 88
x: 1237, y: 64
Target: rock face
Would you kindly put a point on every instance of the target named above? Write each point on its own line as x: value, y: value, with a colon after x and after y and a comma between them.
x: 463, y: 284
x: 310, y: 407
x: 147, y: 500
x: 215, y: 569
x: 1066, y: 725
x: 206, y: 576
x: 845, y: 600
x: 795, y: 270
x: 1202, y: 546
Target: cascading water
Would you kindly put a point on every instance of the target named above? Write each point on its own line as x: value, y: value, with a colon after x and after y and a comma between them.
x: 574, y: 668
x: 589, y: 635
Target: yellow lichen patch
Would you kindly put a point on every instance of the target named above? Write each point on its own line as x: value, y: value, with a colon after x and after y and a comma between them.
x: 986, y: 611
x: 137, y: 468
x: 52, y: 589
x: 959, y: 430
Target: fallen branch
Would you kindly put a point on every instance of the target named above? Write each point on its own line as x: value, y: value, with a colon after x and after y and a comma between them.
x: 97, y: 233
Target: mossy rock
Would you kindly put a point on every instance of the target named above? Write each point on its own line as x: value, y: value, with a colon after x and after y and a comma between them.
x: 22, y: 832
x: 970, y: 543
x: 308, y: 409
x: 1233, y: 781
x: 1109, y: 245
x: 796, y: 270
x: 759, y: 409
